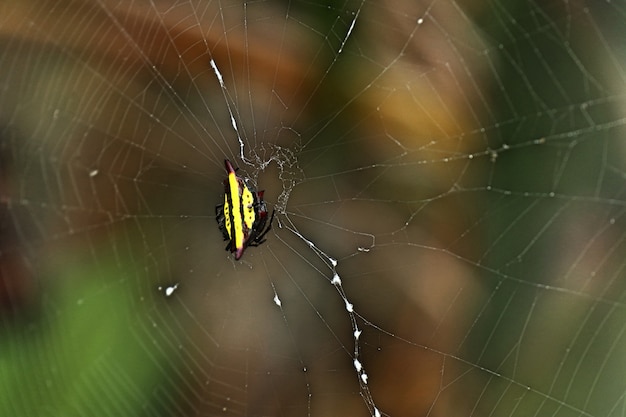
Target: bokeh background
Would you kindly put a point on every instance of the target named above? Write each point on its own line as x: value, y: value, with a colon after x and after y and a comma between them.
x: 449, y: 182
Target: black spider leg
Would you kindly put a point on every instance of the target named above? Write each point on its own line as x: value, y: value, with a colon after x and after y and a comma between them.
x: 260, y: 238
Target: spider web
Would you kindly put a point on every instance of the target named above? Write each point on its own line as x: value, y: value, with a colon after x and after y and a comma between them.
x: 449, y: 186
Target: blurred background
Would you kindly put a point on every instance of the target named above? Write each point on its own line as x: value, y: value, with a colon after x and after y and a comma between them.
x: 449, y: 182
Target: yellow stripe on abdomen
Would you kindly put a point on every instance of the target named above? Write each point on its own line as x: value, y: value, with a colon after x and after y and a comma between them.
x: 233, y: 185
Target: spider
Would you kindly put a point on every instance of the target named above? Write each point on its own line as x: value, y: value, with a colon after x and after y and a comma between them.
x: 242, y: 218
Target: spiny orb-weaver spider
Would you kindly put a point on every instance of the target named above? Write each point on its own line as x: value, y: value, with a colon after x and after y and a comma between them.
x: 243, y: 216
